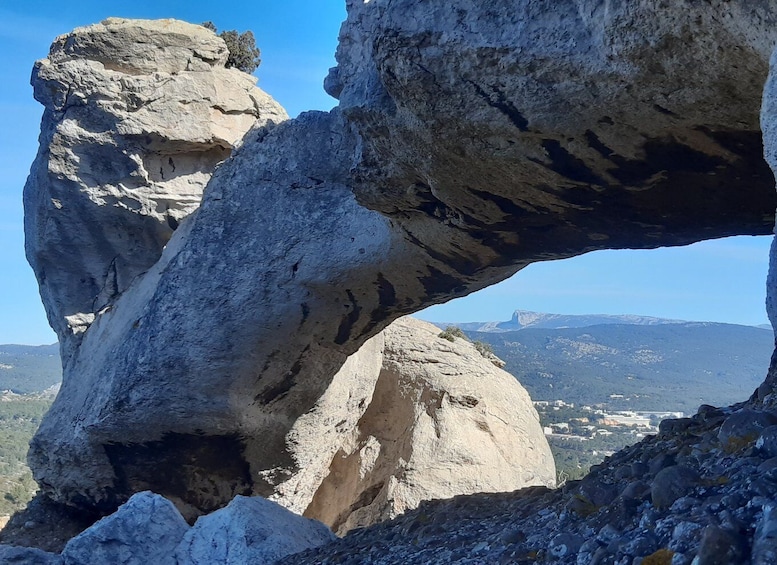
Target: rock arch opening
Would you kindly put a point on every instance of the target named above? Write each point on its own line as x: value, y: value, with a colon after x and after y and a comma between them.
x: 610, y: 343
x: 451, y: 161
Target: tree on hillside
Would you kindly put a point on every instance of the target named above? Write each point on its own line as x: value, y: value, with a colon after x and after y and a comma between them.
x: 243, y: 52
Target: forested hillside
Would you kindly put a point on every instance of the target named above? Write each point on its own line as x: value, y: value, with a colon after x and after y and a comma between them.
x: 27, y: 369
x: 673, y: 367
x: 28, y: 379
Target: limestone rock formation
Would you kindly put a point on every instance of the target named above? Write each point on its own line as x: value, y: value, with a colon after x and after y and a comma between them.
x: 533, y: 130
x: 432, y: 419
x: 249, y: 530
x: 728, y: 516
x: 147, y: 529
x: 137, y: 116
x: 471, y: 139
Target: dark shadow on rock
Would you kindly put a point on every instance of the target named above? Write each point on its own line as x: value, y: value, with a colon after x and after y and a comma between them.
x: 46, y: 525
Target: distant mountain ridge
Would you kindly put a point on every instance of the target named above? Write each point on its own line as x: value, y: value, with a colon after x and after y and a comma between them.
x: 670, y: 366
x: 523, y: 319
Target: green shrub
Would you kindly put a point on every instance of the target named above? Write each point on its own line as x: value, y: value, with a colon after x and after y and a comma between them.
x: 243, y: 52
x: 484, y: 348
x: 451, y: 333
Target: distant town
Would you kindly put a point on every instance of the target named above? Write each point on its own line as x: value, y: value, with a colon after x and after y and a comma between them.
x: 582, y: 435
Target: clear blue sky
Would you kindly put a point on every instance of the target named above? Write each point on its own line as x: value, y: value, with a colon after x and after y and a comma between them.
x: 720, y: 280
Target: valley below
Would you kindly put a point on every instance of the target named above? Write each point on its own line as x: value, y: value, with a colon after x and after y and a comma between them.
x: 601, y: 383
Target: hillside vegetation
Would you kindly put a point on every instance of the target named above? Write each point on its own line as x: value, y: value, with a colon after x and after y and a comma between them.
x: 26, y: 369
x: 674, y: 367
x: 28, y: 379
x: 20, y: 416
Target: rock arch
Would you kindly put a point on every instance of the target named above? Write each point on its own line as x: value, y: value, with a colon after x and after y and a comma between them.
x: 469, y: 142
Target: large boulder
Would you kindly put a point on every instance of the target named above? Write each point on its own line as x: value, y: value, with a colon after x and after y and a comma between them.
x: 137, y: 115
x: 249, y: 530
x: 437, y: 419
x: 147, y: 529
x: 471, y: 139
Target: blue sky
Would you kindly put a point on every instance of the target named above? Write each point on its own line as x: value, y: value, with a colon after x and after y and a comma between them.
x: 719, y: 281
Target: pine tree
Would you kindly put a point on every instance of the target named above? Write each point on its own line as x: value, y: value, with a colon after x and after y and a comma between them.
x: 243, y: 52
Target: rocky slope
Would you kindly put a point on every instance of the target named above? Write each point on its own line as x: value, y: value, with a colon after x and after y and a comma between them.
x: 702, y: 491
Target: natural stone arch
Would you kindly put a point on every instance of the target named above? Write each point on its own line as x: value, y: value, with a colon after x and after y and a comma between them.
x: 466, y: 145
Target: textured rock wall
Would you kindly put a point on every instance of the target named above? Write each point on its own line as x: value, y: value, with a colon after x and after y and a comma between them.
x: 470, y: 140
x: 516, y: 131
x: 137, y: 116
x: 769, y: 127
x: 431, y: 419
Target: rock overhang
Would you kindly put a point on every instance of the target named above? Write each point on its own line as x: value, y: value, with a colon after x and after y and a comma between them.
x: 574, y: 130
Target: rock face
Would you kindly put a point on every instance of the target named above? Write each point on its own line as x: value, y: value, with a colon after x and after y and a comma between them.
x: 546, y: 128
x: 470, y: 140
x: 147, y: 529
x: 249, y: 530
x: 769, y: 127
x: 435, y: 420
x: 137, y: 116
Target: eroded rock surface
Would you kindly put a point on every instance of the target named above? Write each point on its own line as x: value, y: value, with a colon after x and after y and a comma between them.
x: 137, y: 115
x: 437, y: 419
x: 147, y: 529
x: 471, y: 139
x: 512, y: 131
x: 249, y: 530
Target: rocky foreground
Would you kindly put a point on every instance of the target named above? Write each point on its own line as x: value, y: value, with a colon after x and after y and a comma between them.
x: 702, y: 492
